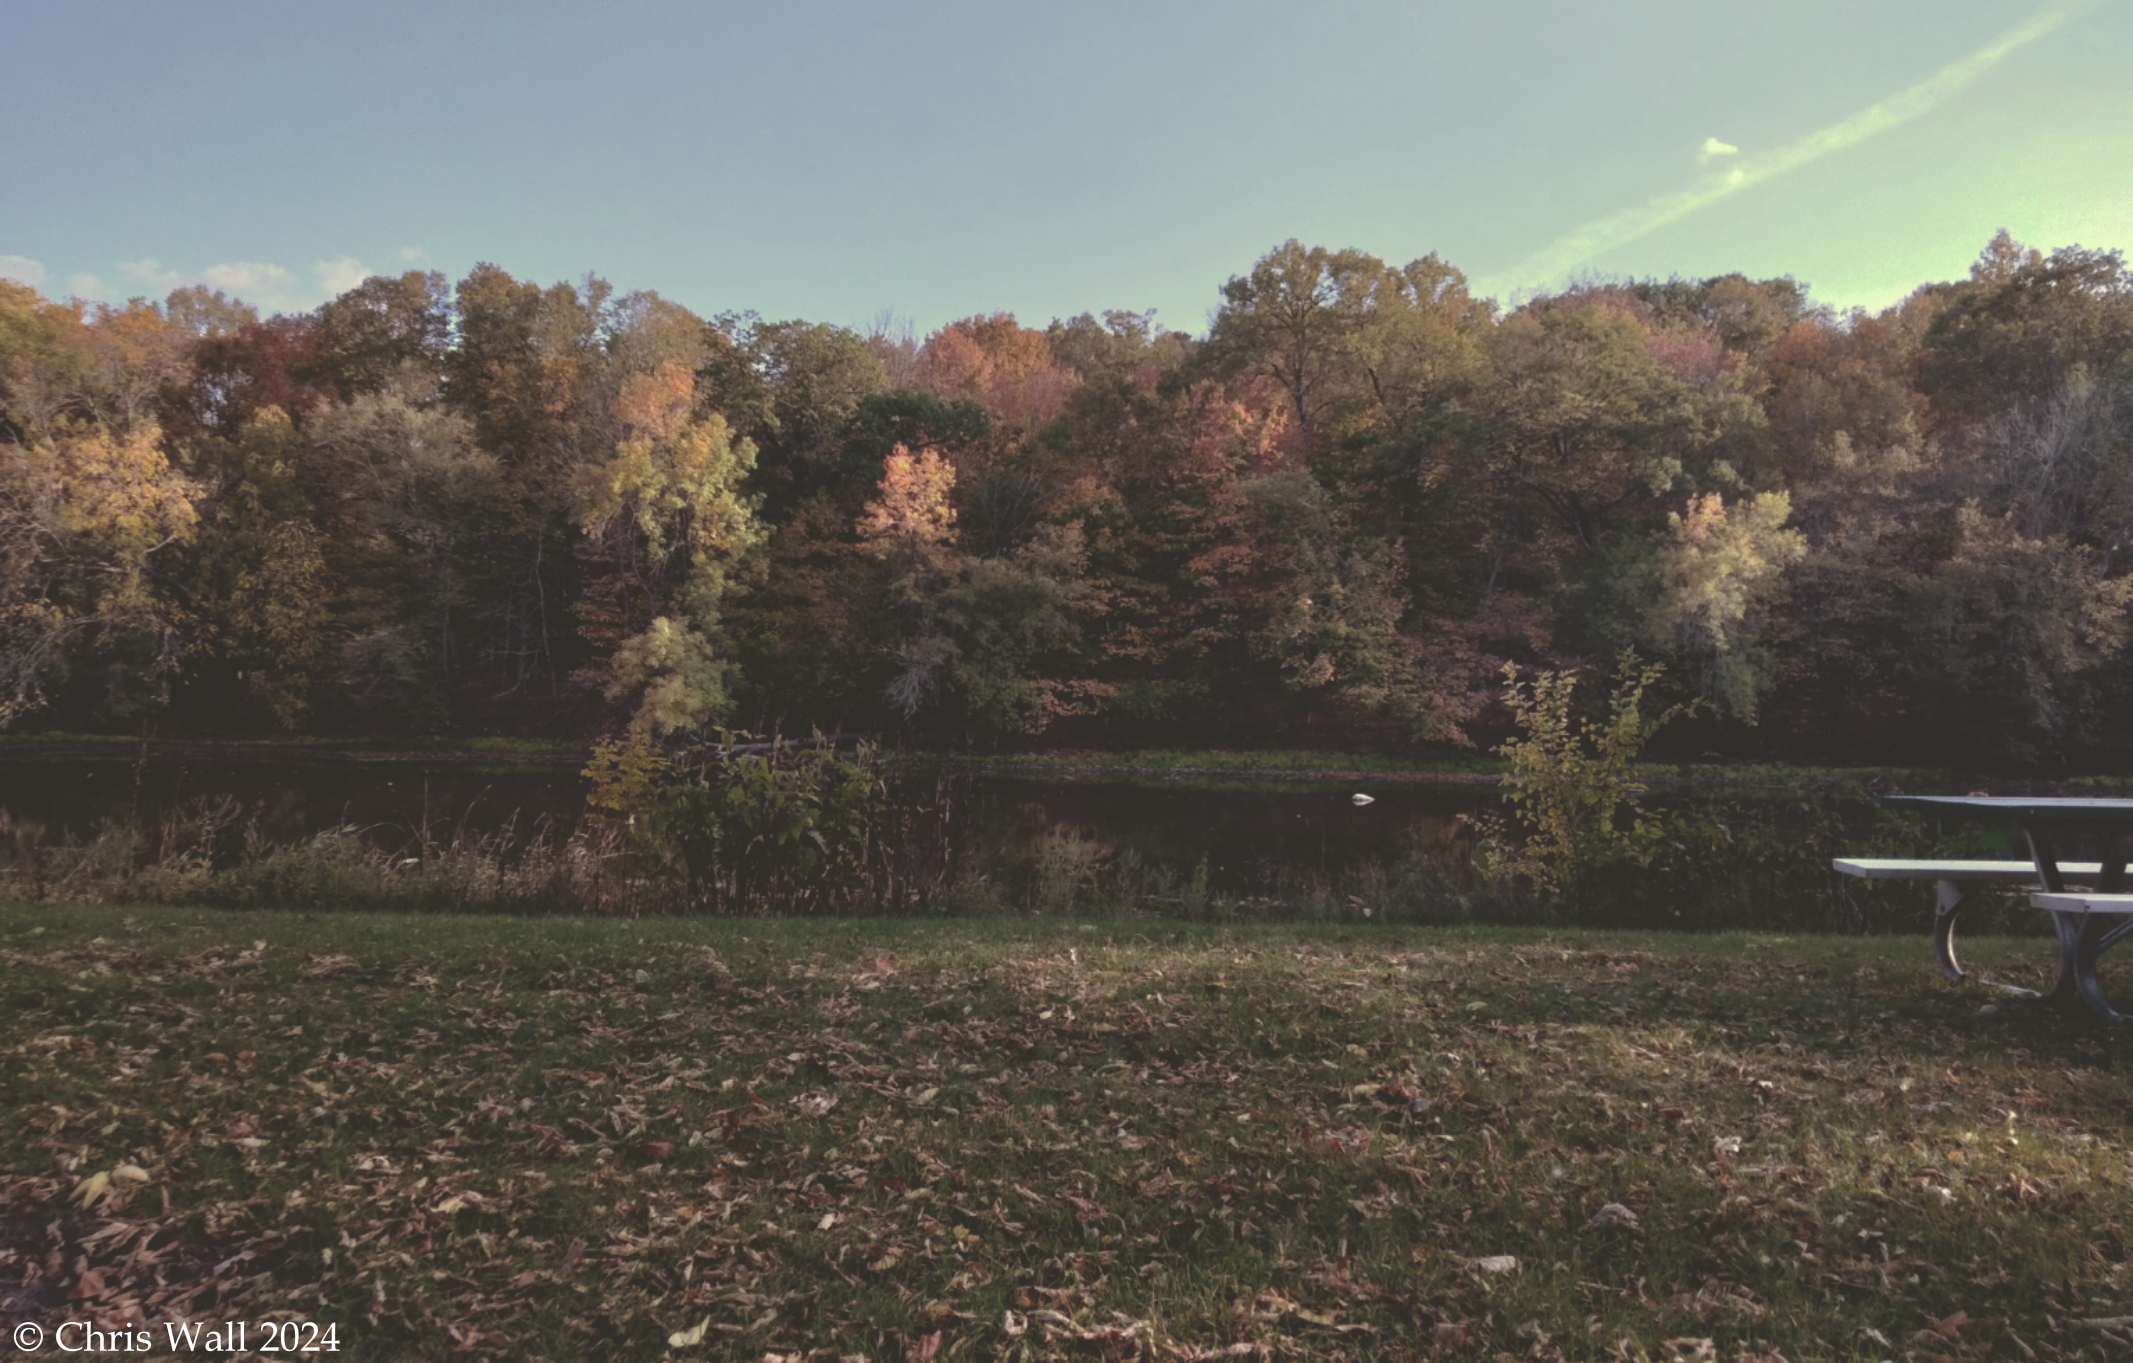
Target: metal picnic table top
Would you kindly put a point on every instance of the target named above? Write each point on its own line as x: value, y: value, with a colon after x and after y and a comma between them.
x: 2038, y: 817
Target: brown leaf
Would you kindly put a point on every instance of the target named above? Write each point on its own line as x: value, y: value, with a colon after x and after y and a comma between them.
x: 1950, y: 1326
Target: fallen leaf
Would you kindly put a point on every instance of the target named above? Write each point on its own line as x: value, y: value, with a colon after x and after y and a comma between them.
x: 689, y: 1339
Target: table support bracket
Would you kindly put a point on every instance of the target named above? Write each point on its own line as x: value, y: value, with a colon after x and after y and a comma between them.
x: 2083, y: 938
x: 1948, y: 905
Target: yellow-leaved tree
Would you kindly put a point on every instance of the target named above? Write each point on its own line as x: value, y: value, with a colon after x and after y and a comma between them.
x: 911, y: 520
x: 910, y: 527
x: 1719, y: 571
x: 83, y: 512
x: 665, y: 520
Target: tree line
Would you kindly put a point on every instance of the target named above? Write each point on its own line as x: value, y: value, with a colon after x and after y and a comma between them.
x: 497, y: 507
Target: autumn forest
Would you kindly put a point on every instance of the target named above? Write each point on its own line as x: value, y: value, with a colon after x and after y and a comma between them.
x: 494, y: 507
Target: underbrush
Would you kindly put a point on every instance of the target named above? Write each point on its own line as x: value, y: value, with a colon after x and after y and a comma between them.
x: 1757, y: 865
x: 209, y: 851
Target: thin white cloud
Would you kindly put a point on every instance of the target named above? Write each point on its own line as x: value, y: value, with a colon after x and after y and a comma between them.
x: 1619, y: 229
x: 270, y: 288
x: 339, y: 275
x: 1713, y: 149
x: 249, y: 279
x: 22, y: 270
x: 411, y: 254
x: 85, y: 286
x: 150, y: 271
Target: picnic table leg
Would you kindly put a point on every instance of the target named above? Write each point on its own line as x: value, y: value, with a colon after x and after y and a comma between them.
x: 2084, y: 937
x: 1949, y: 904
x: 2111, y: 878
x: 2045, y: 858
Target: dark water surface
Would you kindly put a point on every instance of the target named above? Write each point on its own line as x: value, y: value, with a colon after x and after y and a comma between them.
x: 1248, y: 836
x: 73, y: 797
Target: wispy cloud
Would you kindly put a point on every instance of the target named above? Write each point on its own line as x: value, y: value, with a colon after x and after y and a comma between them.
x: 268, y: 287
x: 339, y: 275
x: 1713, y: 149
x: 22, y: 270
x: 253, y: 281
x: 1619, y: 229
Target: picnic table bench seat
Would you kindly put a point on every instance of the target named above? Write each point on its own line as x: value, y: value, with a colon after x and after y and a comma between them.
x: 1955, y: 878
x: 2004, y: 872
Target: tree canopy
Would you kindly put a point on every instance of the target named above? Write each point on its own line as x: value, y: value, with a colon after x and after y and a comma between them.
x: 501, y: 506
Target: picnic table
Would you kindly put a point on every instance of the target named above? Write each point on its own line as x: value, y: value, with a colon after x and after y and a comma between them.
x: 2089, y: 921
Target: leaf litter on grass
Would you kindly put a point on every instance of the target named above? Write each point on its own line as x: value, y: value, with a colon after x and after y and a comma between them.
x: 891, y: 1142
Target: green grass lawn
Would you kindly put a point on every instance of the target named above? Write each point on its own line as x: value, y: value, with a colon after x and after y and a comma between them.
x: 601, y: 1139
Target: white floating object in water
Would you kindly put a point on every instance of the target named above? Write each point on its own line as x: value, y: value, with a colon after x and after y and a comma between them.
x: 1361, y: 799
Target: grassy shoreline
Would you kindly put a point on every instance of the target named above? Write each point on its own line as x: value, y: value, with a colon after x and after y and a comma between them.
x: 1195, y: 767
x: 565, y: 1138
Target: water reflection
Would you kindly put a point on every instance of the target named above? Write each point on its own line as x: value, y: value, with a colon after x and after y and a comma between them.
x: 72, y: 799
x: 1253, y: 840
x: 1250, y: 838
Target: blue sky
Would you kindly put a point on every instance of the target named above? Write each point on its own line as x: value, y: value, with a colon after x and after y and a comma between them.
x: 838, y: 159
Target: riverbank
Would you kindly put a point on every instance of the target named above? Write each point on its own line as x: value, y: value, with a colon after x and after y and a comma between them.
x: 500, y: 752
x: 1167, y: 766
x: 578, y: 1139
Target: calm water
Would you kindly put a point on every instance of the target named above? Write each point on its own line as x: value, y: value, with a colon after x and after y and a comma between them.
x: 72, y: 798
x: 1248, y: 837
